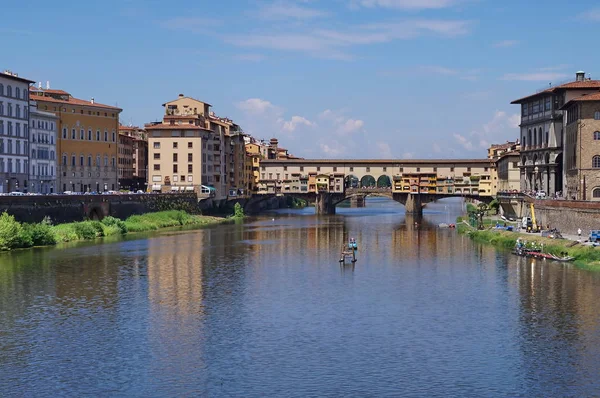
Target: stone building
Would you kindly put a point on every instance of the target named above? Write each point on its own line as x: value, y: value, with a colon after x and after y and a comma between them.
x: 582, y: 148
x: 42, y: 142
x: 87, y: 140
x: 14, y: 132
x: 509, y: 174
x: 542, y: 133
x: 139, y: 157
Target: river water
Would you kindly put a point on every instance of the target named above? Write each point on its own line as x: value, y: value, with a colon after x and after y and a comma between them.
x: 264, y: 308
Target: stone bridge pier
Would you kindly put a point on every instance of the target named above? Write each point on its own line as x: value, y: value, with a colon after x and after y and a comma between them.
x: 325, y: 202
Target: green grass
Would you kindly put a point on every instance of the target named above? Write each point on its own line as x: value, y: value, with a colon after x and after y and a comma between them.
x: 14, y: 235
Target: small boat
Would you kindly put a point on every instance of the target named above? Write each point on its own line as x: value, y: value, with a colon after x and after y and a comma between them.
x: 352, y: 245
x: 349, y: 251
x: 521, y: 250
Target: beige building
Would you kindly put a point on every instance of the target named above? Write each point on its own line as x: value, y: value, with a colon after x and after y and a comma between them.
x: 582, y: 148
x: 192, y: 147
x: 509, y: 174
x: 139, y: 156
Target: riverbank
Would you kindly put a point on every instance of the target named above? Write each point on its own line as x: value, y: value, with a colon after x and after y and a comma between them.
x: 584, y: 256
x: 16, y: 235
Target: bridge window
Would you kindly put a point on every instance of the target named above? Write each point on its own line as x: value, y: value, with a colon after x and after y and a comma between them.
x: 485, y: 169
x: 351, y: 168
x: 468, y: 169
x: 385, y: 169
x: 368, y: 169
x: 301, y: 168
x: 401, y: 169
x: 418, y: 169
x: 335, y: 169
x: 284, y: 168
x: 435, y: 169
x: 318, y: 168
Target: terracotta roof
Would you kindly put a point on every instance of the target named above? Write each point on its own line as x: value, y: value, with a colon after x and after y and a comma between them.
x: 576, y: 85
x: 50, y: 91
x: 583, y: 98
x: 432, y: 162
x: 73, y: 101
x: 175, y: 127
x: 127, y: 128
x: 192, y: 98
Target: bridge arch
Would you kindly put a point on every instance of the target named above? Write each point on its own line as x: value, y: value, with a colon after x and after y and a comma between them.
x: 384, y: 181
x: 368, y: 181
x: 351, y: 181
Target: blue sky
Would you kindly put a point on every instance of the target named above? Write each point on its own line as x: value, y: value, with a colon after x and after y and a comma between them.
x: 329, y: 78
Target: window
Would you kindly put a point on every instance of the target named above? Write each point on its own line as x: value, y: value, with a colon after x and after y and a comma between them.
x: 89, y: 161
x: 113, y: 162
x: 174, y: 168
x: 9, y: 91
x: 156, y: 145
x: 334, y: 169
x: 82, y: 134
x: 157, y: 167
x: 596, y: 193
x: 175, y: 145
x: 384, y: 169
x: 89, y: 135
x: 81, y: 160
x: 189, y: 157
x: 73, y: 160
x: 64, y: 134
x: 73, y: 133
x: 596, y: 162
x: 418, y: 169
x: 64, y: 160
x: 318, y: 168
x: 485, y: 169
x: 105, y: 161
x: 301, y: 168
x: 548, y: 106
x: 157, y: 156
x: 1, y: 89
x: 174, y: 157
x: 97, y: 135
x: 596, y: 135
x: 368, y: 169
x: 468, y: 169
x: 189, y: 168
x: 189, y: 145
x: 98, y: 161
x: 114, y: 137
x: 106, y: 136
x: 597, y: 115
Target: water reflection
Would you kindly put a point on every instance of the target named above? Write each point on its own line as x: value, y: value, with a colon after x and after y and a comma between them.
x: 264, y: 308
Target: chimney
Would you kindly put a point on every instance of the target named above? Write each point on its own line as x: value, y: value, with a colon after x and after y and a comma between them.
x: 580, y: 76
x: 180, y: 95
x: 40, y: 85
x: 92, y: 100
x: 47, y: 84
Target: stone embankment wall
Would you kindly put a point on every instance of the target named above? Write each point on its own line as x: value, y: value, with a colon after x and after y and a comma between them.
x: 568, y: 216
x: 70, y: 208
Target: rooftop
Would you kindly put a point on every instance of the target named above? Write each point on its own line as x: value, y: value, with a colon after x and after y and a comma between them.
x: 583, y: 98
x: 574, y: 85
x: 40, y: 97
x: 432, y: 162
x: 13, y: 76
x: 161, y: 126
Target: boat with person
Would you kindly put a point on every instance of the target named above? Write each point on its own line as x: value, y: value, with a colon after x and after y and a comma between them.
x: 535, y: 251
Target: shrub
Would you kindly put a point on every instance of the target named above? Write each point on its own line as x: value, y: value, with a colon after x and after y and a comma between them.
x: 41, y: 233
x: 111, y: 221
x: 238, y: 211
x: 11, y: 233
x: 86, y: 229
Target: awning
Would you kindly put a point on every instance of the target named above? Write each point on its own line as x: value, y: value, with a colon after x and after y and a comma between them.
x: 156, y: 187
x: 189, y: 188
x: 209, y: 188
x: 174, y: 188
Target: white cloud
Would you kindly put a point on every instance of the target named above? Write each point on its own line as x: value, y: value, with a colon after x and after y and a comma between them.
x: 332, y: 150
x: 464, y: 142
x: 436, y: 148
x: 535, y: 76
x: 506, y: 43
x: 405, y: 4
x: 249, y: 57
x: 342, y: 125
x: 385, y: 151
x: 408, y: 155
x: 329, y: 43
x: 294, y: 122
x: 255, y: 106
x: 591, y: 15
x: 289, y: 10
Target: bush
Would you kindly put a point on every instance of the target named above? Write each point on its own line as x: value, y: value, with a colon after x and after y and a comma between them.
x: 86, y: 229
x: 114, y: 222
x: 41, y: 233
x: 11, y: 233
x: 238, y: 211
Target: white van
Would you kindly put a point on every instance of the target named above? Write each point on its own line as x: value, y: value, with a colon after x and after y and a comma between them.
x: 525, y: 222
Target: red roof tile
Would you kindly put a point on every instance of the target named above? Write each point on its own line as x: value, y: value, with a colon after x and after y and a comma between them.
x: 175, y: 127
x: 577, y: 85
x: 583, y: 98
x: 72, y: 101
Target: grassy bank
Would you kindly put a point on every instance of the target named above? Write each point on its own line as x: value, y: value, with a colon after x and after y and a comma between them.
x: 14, y: 235
x: 585, y: 256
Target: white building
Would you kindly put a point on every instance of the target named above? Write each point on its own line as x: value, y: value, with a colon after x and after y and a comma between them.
x: 14, y: 132
x: 42, y: 140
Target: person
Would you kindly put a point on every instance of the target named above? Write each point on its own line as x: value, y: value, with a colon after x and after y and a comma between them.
x: 579, y: 232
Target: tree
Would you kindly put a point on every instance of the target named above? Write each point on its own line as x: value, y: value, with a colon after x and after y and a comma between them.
x: 495, y: 205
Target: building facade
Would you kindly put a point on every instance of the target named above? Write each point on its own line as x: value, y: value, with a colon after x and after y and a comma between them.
x: 542, y: 134
x: 14, y: 132
x: 42, y: 142
x: 87, y: 144
x: 139, y: 156
x: 125, y: 162
x: 582, y: 148
x: 509, y: 174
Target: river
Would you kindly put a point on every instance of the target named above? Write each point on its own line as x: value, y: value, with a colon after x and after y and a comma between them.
x: 263, y: 308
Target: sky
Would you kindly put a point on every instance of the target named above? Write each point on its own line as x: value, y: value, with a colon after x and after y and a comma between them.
x: 386, y: 79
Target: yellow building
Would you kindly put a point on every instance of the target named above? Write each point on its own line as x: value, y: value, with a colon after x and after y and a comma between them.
x: 87, y: 144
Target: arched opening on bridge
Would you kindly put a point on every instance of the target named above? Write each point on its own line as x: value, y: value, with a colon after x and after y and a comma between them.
x: 351, y: 181
x: 368, y: 181
x: 95, y: 215
x: 384, y: 182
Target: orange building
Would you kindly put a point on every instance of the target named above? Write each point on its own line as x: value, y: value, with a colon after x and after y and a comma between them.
x: 87, y: 144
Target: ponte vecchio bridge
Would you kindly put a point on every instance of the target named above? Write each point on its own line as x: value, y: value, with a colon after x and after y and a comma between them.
x: 413, y: 183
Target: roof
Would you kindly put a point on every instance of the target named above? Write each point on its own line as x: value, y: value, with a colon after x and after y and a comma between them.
x: 509, y: 154
x: 129, y: 128
x: 15, y: 77
x: 175, y: 127
x: 378, y: 161
x: 576, y: 85
x: 583, y: 98
x: 50, y: 91
x: 73, y: 101
x: 192, y: 98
